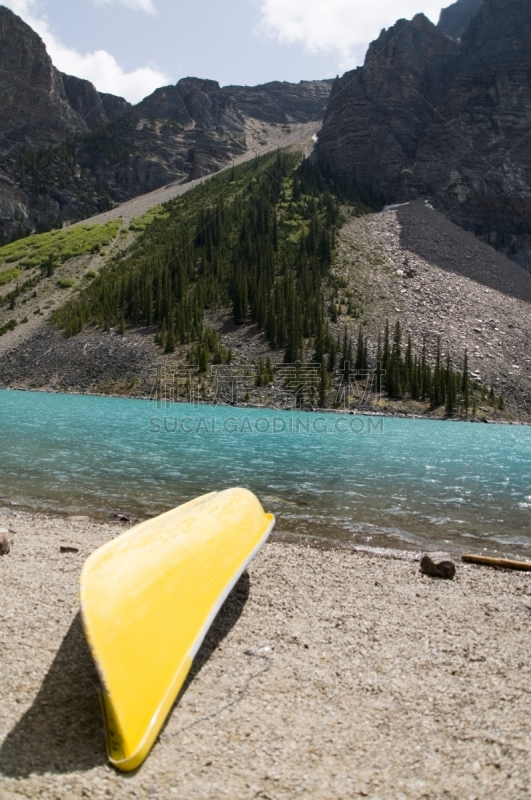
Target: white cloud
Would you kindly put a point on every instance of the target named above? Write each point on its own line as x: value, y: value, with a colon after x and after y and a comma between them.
x: 136, y: 5
x: 340, y: 27
x: 99, y: 67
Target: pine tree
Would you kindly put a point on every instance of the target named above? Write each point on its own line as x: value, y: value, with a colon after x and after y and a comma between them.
x: 162, y: 335
x: 323, y: 386
x: 202, y: 358
x: 386, y: 354
x: 425, y: 389
x: 415, y: 379
x: 438, y: 388
x: 361, y: 352
x: 397, y: 341
x: 269, y: 370
x: 451, y: 389
x: 408, y: 365
x: 395, y: 364
x: 332, y: 354
x: 260, y: 379
x: 170, y: 339
x: 319, y: 342
x: 465, y: 384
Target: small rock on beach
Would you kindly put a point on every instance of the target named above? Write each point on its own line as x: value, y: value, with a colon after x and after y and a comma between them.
x: 5, y: 547
x: 438, y: 565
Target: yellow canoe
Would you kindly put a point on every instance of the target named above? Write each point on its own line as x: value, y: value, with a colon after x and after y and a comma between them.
x: 148, y: 599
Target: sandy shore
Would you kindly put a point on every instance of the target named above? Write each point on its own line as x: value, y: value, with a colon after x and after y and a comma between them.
x: 328, y: 674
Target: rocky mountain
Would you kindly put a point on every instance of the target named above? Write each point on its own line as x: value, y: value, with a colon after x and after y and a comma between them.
x: 282, y: 102
x: 68, y: 151
x: 430, y: 116
x: 40, y: 106
x: 195, y: 102
x: 378, y: 113
x: 94, y: 108
x: 454, y: 19
x: 26, y: 71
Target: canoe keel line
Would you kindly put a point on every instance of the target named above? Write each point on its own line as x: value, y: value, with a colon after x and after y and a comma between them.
x: 148, y: 599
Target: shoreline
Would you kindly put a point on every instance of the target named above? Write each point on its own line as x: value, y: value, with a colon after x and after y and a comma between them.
x: 385, y: 413
x: 327, y: 674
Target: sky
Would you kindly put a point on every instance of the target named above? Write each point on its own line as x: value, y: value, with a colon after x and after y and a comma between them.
x: 131, y: 47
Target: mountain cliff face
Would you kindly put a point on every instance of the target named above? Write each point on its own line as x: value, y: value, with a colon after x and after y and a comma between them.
x: 94, y: 108
x: 478, y: 167
x: 179, y: 133
x: 454, y: 19
x: 67, y: 151
x: 32, y: 94
x: 458, y: 134
x: 378, y: 113
x: 195, y: 102
x: 282, y: 103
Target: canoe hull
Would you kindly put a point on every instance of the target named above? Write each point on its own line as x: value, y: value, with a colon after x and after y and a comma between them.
x: 148, y: 599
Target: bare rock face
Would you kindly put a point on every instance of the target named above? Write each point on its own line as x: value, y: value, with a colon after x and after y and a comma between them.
x: 95, y: 109
x: 478, y: 167
x: 194, y: 101
x: 281, y: 102
x: 454, y: 19
x: 432, y: 117
x: 114, y: 106
x: 34, y: 108
x: 378, y: 114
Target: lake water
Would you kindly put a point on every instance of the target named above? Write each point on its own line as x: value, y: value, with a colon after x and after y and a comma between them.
x: 369, y: 481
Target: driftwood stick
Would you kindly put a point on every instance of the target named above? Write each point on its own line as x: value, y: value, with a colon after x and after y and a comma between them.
x: 505, y: 563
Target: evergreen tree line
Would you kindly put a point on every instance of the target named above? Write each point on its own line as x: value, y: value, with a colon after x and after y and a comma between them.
x: 259, y: 239
x: 403, y: 371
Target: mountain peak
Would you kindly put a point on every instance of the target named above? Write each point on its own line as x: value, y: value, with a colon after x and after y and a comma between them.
x: 455, y: 18
x: 33, y: 101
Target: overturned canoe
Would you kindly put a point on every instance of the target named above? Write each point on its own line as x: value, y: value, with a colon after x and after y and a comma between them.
x: 148, y: 599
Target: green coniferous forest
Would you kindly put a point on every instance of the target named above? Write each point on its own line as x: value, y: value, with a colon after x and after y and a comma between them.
x: 258, y: 239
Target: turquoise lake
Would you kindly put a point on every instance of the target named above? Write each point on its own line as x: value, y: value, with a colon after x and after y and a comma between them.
x: 369, y: 481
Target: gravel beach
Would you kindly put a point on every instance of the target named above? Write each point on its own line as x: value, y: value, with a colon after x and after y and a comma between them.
x: 327, y: 674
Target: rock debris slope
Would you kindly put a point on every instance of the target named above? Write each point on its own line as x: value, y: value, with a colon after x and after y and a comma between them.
x: 414, y: 265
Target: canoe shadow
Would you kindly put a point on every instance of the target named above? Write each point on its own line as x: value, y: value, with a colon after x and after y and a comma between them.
x: 63, y: 730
